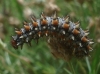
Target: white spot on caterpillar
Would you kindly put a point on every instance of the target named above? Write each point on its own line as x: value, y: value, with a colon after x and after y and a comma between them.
x: 36, y: 29
x: 30, y: 33
x: 54, y: 28
x: 21, y: 37
x: 39, y: 35
x: 72, y: 37
x: 80, y: 44
x: 46, y: 34
x: 91, y: 42
x: 63, y: 32
x: 44, y: 27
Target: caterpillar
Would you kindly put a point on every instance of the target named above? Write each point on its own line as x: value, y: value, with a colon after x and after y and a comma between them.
x: 65, y: 38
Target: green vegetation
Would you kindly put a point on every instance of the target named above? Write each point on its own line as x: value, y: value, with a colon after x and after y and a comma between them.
x: 37, y: 59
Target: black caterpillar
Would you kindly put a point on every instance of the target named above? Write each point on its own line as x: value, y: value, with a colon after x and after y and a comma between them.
x: 65, y: 38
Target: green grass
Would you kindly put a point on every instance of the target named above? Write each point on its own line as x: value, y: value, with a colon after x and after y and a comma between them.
x: 37, y: 59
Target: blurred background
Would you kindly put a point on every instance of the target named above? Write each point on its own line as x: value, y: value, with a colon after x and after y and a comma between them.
x: 37, y: 59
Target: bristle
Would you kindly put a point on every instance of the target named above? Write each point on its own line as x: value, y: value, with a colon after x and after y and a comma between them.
x: 84, y: 39
x: 14, y: 37
x: 25, y: 23
x: 76, y: 32
x: 44, y: 22
x: 86, y: 34
x: 77, y: 24
x: 18, y: 32
x: 89, y: 48
x: 43, y: 16
x: 55, y: 22
x: 67, y: 19
x: 33, y: 18
x: 27, y: 27
x: 86, y: 31
x: 55, y: 16
x: 66, y: 26
x: 91, y: 42
x: 35, y: 24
